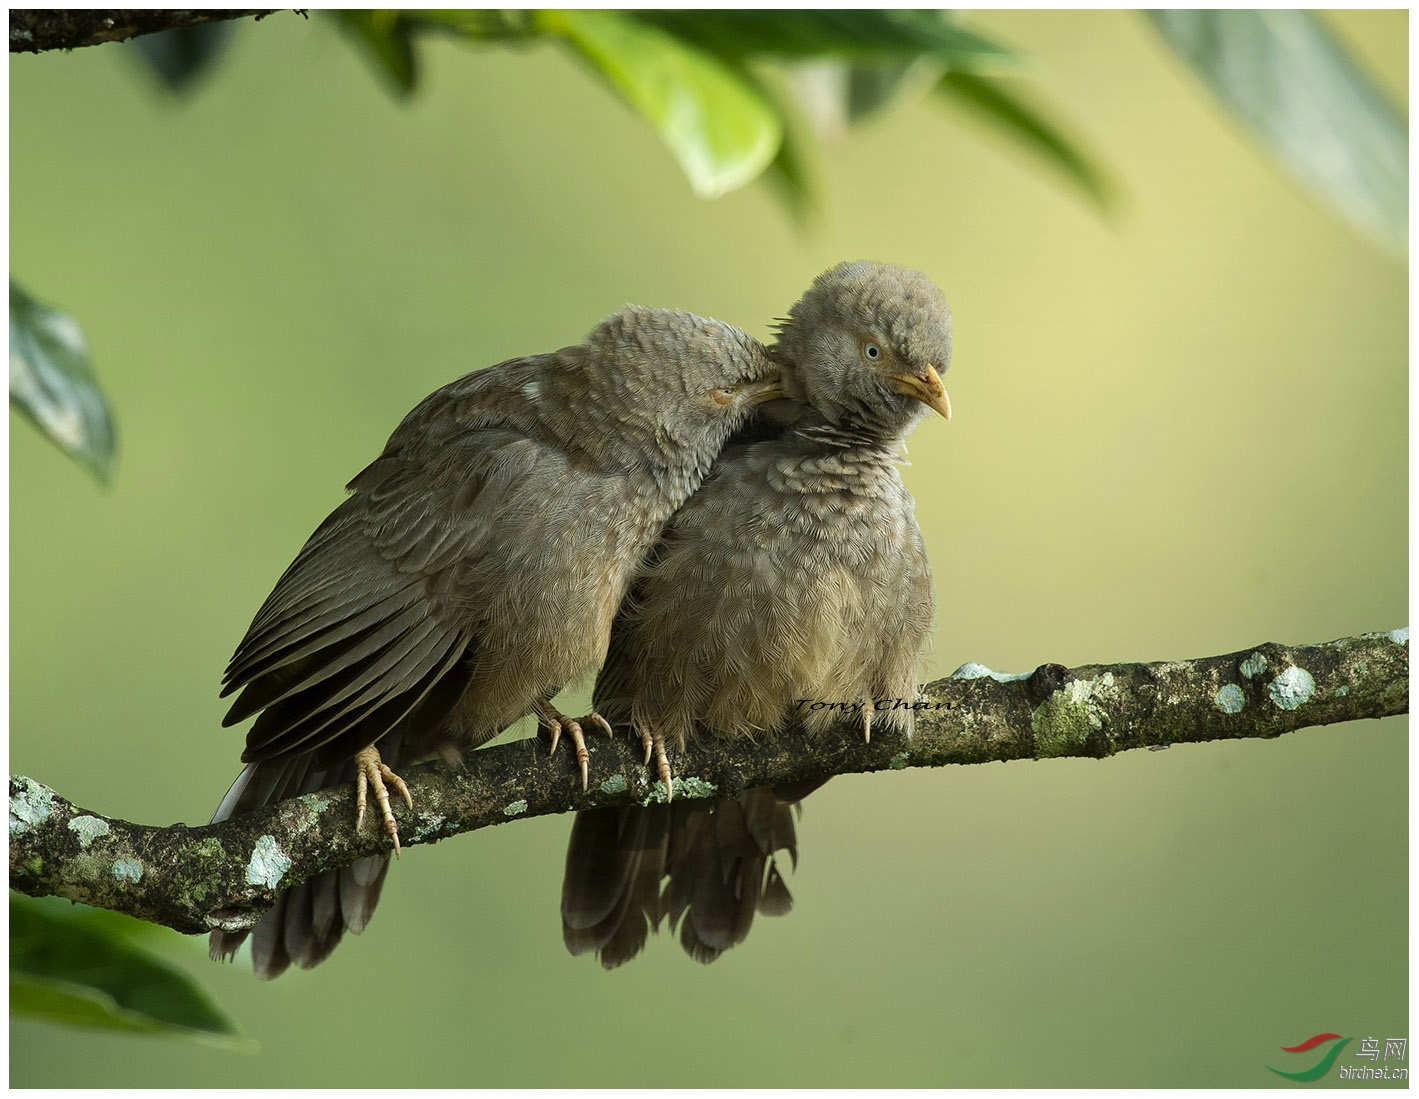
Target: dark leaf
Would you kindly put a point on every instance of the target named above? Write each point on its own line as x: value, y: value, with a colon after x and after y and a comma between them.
x: 494, y: 24
x: 388, y: 40
x: 836, y: 95
x: 872, y: 87
x: 181, y: 54
x: 1009, y: 113
x: 81, y: 971
x: 52, y: 382
x: 856, y: 35
x: 795, y: 172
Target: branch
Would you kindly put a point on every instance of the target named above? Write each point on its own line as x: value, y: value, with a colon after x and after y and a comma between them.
x: 34, y: 31
x: 227, y: 875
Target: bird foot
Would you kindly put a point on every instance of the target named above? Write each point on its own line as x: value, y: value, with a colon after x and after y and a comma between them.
x: 555, y: 722
x: 372, y: 771
x: 867, y: 720
x: 655, y: 742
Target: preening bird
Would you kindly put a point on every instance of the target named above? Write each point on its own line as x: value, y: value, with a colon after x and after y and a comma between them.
x: 472, y: 573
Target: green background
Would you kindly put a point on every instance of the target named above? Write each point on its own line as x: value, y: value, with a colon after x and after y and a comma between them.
x: 1178, y: 433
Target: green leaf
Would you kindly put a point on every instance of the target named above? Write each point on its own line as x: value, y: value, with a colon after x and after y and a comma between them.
x: 834, y: 95
x: 795, y: 174
x: 719, y: 128
x: 1287, y: 79
x: 52, y: 382
x: 858, y: 35
x: 86, y: 972
x: 497, y: 24
x: 388, y: 42
x: 1009, y: 113
x: 872, y: 87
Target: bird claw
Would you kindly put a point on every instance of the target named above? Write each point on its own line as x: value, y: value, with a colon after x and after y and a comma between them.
x: 371, y: 771
x: 655, y: 742
x: 554, y: 721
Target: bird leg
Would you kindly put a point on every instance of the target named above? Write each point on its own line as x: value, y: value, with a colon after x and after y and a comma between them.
x: 867, y: 720
x: 554, y: 721
x: 372, y: 771
x: 655, y: 741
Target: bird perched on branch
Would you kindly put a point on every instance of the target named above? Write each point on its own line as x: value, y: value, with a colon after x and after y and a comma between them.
x: 797, y: 571
x: 795, y: 574
x: 473, y: 572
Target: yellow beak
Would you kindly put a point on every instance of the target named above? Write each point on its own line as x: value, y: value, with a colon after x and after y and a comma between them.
x: 925, y: 387
x: 772, y: 390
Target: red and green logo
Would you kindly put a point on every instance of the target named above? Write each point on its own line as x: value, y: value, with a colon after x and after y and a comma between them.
x: 1321, y: 1067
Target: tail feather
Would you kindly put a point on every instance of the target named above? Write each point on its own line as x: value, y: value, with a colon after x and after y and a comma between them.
x: 308, y: 920
x: 716, y: 861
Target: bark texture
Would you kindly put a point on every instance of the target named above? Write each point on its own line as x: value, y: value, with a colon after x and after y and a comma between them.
x: 226, y: 875
x: 36, y: 30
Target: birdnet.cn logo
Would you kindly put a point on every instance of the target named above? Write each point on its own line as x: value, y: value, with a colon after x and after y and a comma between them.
x: 1376, y: 1061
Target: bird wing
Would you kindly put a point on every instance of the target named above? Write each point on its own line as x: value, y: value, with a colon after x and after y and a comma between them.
x: 370, y: 627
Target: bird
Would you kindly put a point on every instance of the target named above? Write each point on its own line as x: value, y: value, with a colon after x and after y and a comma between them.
x: 473, y: 571
x: 797, y: 571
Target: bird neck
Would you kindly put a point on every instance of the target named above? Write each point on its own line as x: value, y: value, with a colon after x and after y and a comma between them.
x: 820, y: 432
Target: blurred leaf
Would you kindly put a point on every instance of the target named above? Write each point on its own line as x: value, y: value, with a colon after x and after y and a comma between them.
x: 835, y: 95
x: 387, y: 39
x: 690, y: 74
x: 178, y: 56
x: 872, y: 87
x: 1012, y: 116
x: 859, y: 35
x: 111, y: 924
x: 1284, y: 75
x: 717, y: 125
x: 795, y: 173
x: 84, y: 972
x: 52, y: 382
x: 498, y: 24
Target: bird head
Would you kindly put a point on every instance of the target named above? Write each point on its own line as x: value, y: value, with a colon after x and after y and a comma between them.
x: 671, y: 386
x: 866, y: 347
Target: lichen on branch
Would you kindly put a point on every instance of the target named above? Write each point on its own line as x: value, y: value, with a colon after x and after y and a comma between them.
x: 227, y: 875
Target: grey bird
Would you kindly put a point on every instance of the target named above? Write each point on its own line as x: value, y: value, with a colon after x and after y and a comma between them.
x: 797, y: 571
x: 473, y: 572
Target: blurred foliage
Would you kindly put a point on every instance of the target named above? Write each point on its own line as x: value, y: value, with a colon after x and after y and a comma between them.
x: 1007, y: 111
x: 1293, y: 85
x: 703, y: 79
x: 77, y: 965
x: 52, y: 382
x: 180, y: 56
x: 720, y: 128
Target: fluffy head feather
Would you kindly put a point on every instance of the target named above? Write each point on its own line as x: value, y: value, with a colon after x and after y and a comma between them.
x: 858, y: 325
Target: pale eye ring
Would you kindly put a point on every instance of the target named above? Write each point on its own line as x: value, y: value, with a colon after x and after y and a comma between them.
x: 724, y: 395
x: 871, y: 351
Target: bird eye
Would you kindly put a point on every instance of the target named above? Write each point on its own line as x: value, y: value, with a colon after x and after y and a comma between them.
x: 872, y: 351
x: 723, y: 396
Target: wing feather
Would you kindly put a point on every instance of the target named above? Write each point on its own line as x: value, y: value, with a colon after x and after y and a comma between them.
x: 371, y: 616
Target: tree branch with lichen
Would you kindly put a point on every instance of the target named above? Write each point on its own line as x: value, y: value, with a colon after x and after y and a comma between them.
x: 227, y: 875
